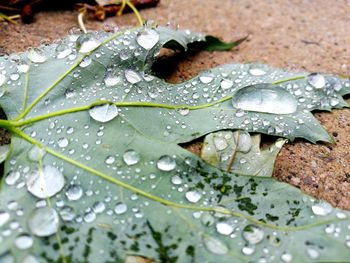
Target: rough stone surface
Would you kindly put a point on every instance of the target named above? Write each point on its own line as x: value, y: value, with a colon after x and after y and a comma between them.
x: 295, y: 35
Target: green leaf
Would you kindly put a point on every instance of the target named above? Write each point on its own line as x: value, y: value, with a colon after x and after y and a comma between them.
x: 238, y: 152
x: 96, y: 174
x: 213, y: 43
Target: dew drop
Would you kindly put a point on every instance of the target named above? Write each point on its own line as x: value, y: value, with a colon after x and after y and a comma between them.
x: 166, y: 163
x: 256, y: 72
x: 69, y: 93
x: 36, y: 153
x: 2, y: 79
x: 104, y: 113
x: 253, y: 234
x: 176, y: 180
x: 206, y: 79
x: 131, y: 157
x: 193, y: 196
x: 214, y: 245
x: 110, y: 159
x: 67, y: 213
x: 183, y: 111
x: 62, y: 142
x: 120, y: 208
x: 45, y: 183
x: 248, y: 250
x: 316, y: 80
x: 87, y: 43
x: 24, y: 241
x: 226, y: 84
x: 30, y: 259
x: 44, y: 222
x: 111, y: 79
x: 4, y: 217
x: 36, y: 56
x: 312, y: 253
x: 265, y: 98
x: 12, y: 177
x: 132, y: 76
x: 220, y: 143
x: 14, y: 76
x: 322, y: 208
x: 224, y: 228
x: 244, y: 143
x: 147, y: 39
x: 98, y: 207
x: 89, y: 217
x: 286, y: 257
x: 74, y: 192
x: 85, y: 62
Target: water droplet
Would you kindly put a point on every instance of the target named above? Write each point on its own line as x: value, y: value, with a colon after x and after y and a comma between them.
x: 14, y: 76
x: 244, y: 143
x: 46, y: 182
x: 147, y: 38
x: 69, y: 93
x: 98, y: 207
x: 322, y: 208
x: 183, y: 111
x: 87, y: 43
x: 24, y: 241
x: 316, y: 80
x: 4, y: 217
x: 248, y: 250
x: 226, y: 84
x: 43, y: 222
x: 253, y: 234
x: 89, y: 217
x: 224, y: 228
x: 132, y: 76
x: 176, y: 180
x: 36, y: 56
x: 74, y: 192
x: 62, y: 142
x: 166, y: 163
x: 67, y: 213
x: 2, y: 79
x: 120, y: 208
x: 193, y: 196
x: 206, y: 79
x: 111, y: 79
x: 104, y: 113
x: 36, y: 153
x: 131, y: 157
x: 85, y: 62
x: 63, y: 51
x: 256, y: 72
x: 12, y: 177
x: 30, y: 259
x: 286, y: 257
x: 220, y: 143
x: 265, y: 98
x: 110, y: 159
x: 312, y: 253
x: 214, y: 245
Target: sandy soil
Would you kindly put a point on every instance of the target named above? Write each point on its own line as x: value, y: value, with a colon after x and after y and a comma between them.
x: 295, y: 34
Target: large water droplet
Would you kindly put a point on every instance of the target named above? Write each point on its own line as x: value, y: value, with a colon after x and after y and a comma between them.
x: 166, y: 163
x: 111, y: 79
x: 120, y: 208
x: 104, y: 113
x: 98, y: 207
x: 224, y: 228
x: 226, y: 84
x: 256, y: 72
x: 193, y: 196
x: 322, y: 208
x: 12, y: 177
x: 265, y: 98
x: 132, y: 76
x: 63, y: 142
x: 24, y: 241
x: 253, y: 234
x: 44, y: 222
x: 131, y: 157
x: 86, y: 43
x: 36, y: 56
x: 74, y: 192
x: 316, y: 80
x: 4, y: 217
x: 36, y: 153
x: 206, y: 79
x: 46, y: 182
x: 147, y: 38
x: 89, y: 217
x: 214, y: 245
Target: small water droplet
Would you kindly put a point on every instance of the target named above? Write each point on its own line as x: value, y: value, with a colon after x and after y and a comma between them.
x: 253, y: 234
x: 131, y: 157
x: 248, y: 250
x: 265, y: 98
x: 286, y: 257
x: 87, y: 43
x: 120, y: 208
x: 67, y: 213
x: 63, y: 51
x: 166, y: 163
x: 4, y: 217
x: 74, y: 192
x: 85, y: 62
x: 183, y: 111
x: 321, y: 208
x: 111, y: 79
x: 132, y: 76
x: 14, y: 76
x: 206, y: 79
x: 89, y: 217
x: 110, y: 159
x: 147, y: 38
x: 12, y: 177
x: 256, y: 72
x: 98, y: 207
x: 62, y: 142
x: 36, y: 55
x: 193, y: 196
x: 176, y: 180
x: 312, y: 253
x: 24, y: 241
x: 69, y: 93
x: 2, y: 79
x: 104, y: 113
x: 214, y: 245
x: 224, y: 228
x: 316, y: 80
x: 43, y: 222
x: 46, y: 182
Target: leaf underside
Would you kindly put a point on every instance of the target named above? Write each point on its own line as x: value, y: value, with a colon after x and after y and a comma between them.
x: 129, y: 188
